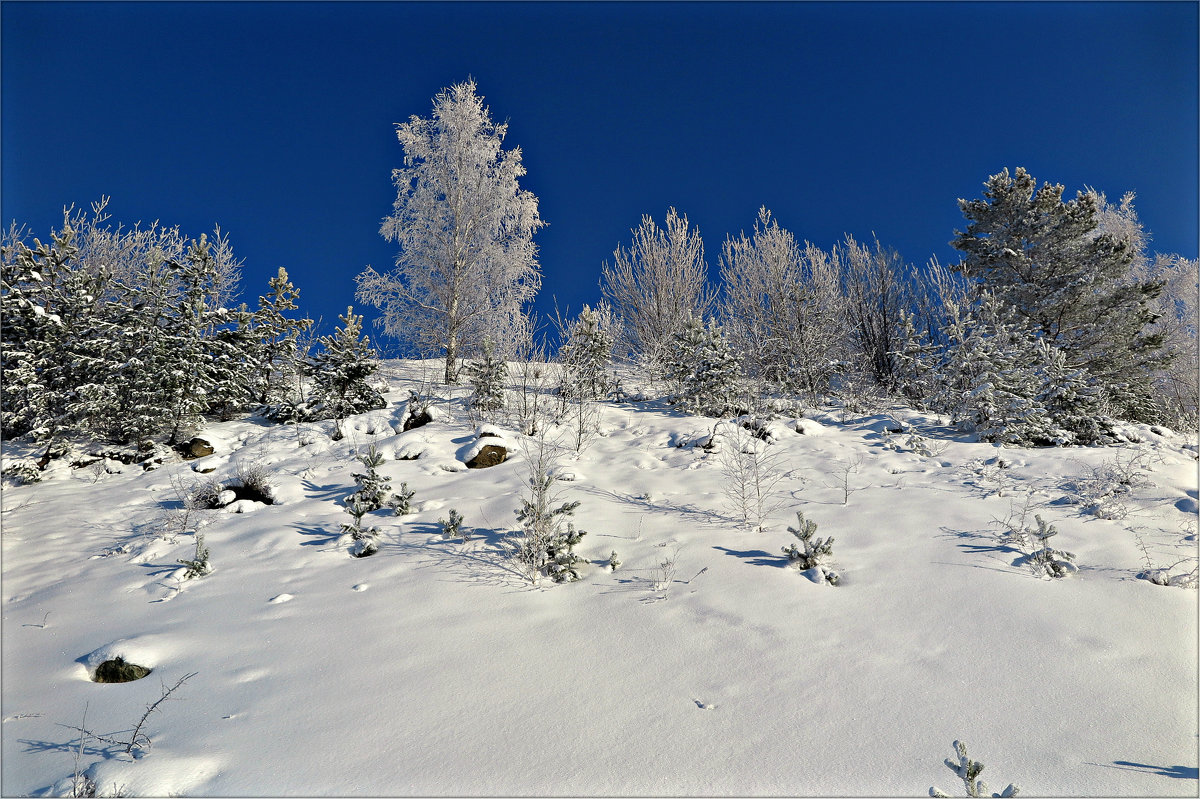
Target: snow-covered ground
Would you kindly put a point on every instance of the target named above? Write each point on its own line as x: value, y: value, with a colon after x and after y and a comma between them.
x: 435, y: 668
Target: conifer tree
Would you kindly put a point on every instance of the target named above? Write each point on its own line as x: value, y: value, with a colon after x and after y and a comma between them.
x: 913, y: 373
x: 1075, y: 407
x: 117, y: 334
x: 704, y: 370
x: 990, y: 381
x: 374, y: 489
x: 487, y: 377
x: 342, y: 372
x: 586, y: 355
x: 189, y: 372
x: 277, y: 336
x: 1071, y: 281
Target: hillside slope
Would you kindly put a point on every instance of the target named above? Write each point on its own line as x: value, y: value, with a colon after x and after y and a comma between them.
x: 435, y: 667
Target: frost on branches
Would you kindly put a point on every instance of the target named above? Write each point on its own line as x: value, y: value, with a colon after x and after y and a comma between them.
x: 654, y: 285
x: 783, y: 309
x: 467, y: 263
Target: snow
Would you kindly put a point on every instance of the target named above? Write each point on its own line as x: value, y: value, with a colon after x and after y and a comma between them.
x: 434, y: 668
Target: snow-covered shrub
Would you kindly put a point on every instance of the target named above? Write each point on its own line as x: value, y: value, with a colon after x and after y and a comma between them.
x: 453, y: 526
x: 22, y: 473
x: 859, y: 395
x: 653, y: 286
x: 199, y: 565
x: 254, y: 481
x: 418, y: 411
x: 968, y: 771
x: 1172, y: 575
x: 487, y: 376
x: 783, y: 308
x: 663, y: 575
x: 1162, y: 576
x: 527, y: 404
x: 814, y: 552
x: 207, y: 495
x: 703, y: 370
x: 613, y: 563
x: 1104, y: 490
x: 907, y: 441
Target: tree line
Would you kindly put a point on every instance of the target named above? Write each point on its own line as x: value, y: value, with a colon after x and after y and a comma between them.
x: 1055, y: 318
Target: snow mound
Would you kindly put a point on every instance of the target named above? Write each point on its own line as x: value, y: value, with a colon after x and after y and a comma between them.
x: 808, y: 427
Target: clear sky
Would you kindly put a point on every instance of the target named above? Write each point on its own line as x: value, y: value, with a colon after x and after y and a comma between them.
x: 276, y: 120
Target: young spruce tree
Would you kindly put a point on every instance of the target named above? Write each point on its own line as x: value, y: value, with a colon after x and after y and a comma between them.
x: 342, y: 373
x: 704, y: 370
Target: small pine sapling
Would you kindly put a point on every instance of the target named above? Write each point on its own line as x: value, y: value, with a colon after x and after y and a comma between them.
x: 1052, y: 562
x: 401, y: 501
x: 815, y: 549
x: 453, y: 526
x: 342, y: 374
x: 546, y: 544
x: 363, y: 539
x: 488, y: 377
x: 549, y: 538
x: 199, y: 565
x: 373, y: 488
x: 22, y: 473
x: 562, y: 564
x: 613, y: 563
x: 968, y: 771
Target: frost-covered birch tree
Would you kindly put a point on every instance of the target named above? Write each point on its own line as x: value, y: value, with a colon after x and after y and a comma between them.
x: 467, y: 263
x: 655, y: 285
x: 782, y: 308
x: 1177, y: 381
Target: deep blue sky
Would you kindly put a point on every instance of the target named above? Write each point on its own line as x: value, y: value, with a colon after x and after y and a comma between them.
x: 276, y: 120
